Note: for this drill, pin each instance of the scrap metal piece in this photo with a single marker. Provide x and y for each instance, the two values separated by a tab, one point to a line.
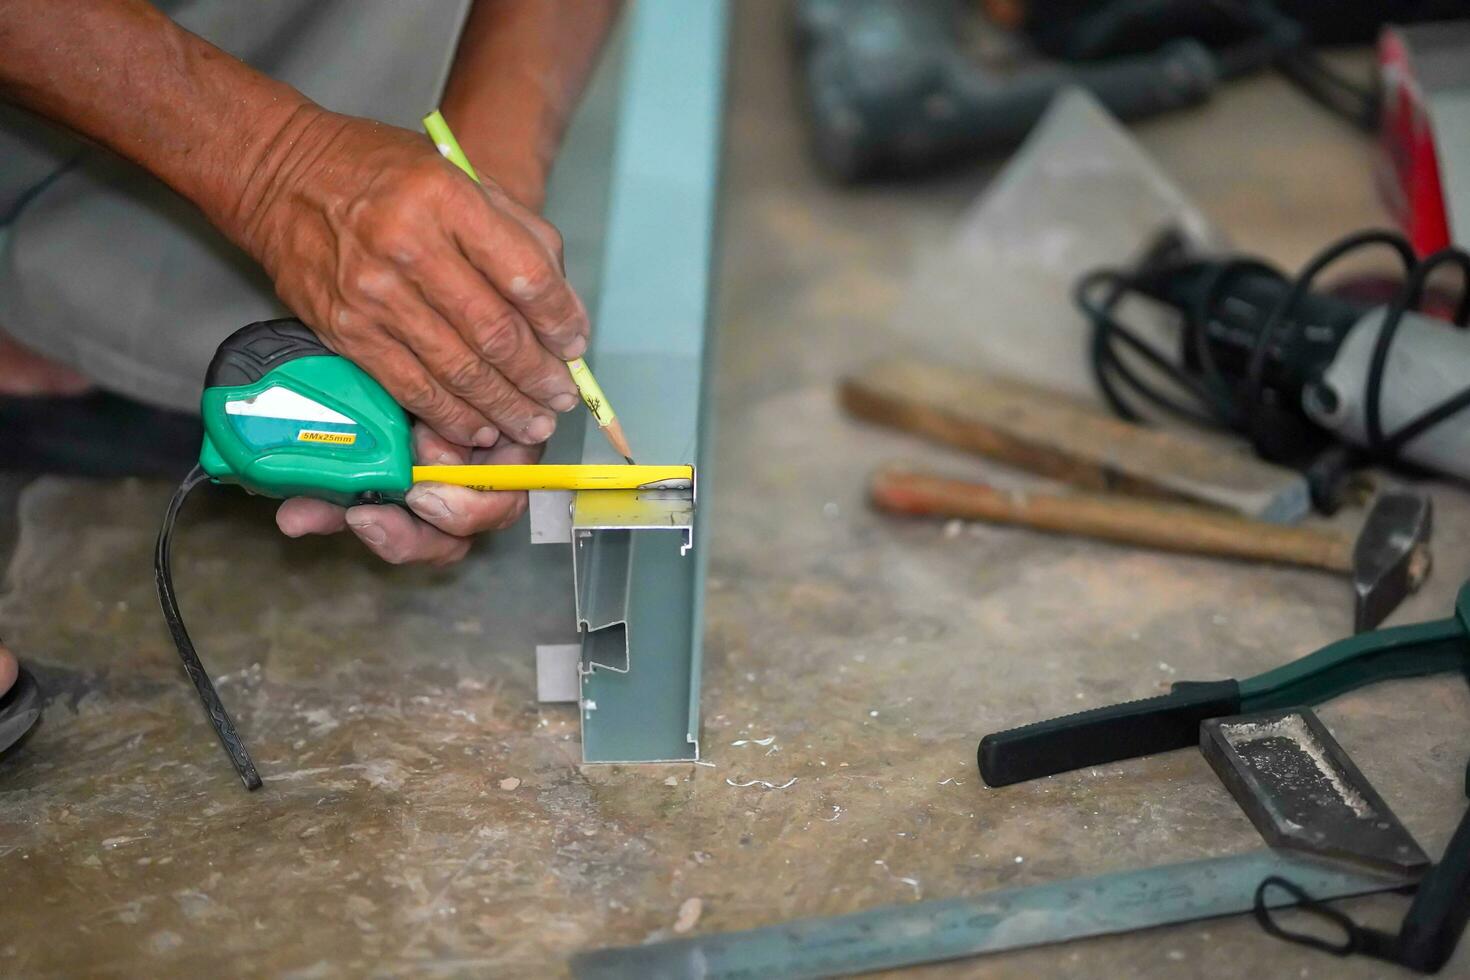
1282	766
1006	919
1301	790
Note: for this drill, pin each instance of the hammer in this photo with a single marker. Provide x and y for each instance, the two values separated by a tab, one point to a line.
1387	559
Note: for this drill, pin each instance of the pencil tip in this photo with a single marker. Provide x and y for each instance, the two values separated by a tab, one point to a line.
630	460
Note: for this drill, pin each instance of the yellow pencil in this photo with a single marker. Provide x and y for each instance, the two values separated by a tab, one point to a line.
592	396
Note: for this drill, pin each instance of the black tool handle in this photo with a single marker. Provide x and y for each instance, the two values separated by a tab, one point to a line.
1102	735
1440	910
256	349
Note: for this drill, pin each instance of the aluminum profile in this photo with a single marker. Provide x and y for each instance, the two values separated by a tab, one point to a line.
639	559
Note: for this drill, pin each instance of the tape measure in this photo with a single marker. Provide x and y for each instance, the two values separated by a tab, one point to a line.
285	416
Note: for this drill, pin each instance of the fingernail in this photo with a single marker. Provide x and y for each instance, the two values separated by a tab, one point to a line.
447	458
485	437
426	503
575	349
564	402
371	531
540	428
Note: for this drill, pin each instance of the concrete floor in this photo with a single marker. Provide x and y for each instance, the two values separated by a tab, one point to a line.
424	816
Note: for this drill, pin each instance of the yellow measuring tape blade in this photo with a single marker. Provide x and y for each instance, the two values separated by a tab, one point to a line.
540	476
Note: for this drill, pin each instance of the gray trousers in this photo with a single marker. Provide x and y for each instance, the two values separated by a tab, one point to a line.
105	269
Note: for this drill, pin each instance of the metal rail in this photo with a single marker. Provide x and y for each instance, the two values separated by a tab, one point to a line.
639	566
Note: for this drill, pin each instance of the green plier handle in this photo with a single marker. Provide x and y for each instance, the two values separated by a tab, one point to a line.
1171	721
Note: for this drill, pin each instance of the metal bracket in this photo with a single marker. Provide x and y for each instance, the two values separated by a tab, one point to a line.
551	516
558	672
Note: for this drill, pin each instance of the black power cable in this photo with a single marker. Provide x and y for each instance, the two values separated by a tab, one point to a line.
1211	398
1358	104
1246	36
1280	41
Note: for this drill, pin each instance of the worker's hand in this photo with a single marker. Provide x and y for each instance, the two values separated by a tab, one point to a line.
447	516
450	294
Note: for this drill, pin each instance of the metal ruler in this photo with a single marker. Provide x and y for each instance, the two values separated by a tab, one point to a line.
1010	918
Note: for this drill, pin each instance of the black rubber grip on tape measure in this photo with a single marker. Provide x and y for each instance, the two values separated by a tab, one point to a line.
250	352
1102	735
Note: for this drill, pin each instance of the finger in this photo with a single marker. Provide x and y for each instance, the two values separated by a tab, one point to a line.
508	453
461	511
397	537
525	272
463	372
405	377
495	329
432	449
300	516
539	226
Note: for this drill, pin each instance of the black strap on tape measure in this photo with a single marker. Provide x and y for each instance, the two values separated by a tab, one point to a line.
214	708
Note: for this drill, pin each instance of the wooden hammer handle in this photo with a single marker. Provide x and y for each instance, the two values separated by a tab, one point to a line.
1155	524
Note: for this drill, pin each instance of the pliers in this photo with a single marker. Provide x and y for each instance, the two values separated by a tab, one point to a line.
1432	927
1171	721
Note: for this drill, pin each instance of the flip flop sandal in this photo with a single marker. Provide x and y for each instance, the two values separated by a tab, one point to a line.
20	708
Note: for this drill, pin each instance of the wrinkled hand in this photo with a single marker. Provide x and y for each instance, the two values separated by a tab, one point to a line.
450	294
447	516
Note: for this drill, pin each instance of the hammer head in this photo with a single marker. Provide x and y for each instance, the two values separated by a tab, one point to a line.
1391	555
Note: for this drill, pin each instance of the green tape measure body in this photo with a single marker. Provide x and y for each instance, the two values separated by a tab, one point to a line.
286	417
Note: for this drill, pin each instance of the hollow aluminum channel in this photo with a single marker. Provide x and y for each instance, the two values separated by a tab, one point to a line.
640	584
